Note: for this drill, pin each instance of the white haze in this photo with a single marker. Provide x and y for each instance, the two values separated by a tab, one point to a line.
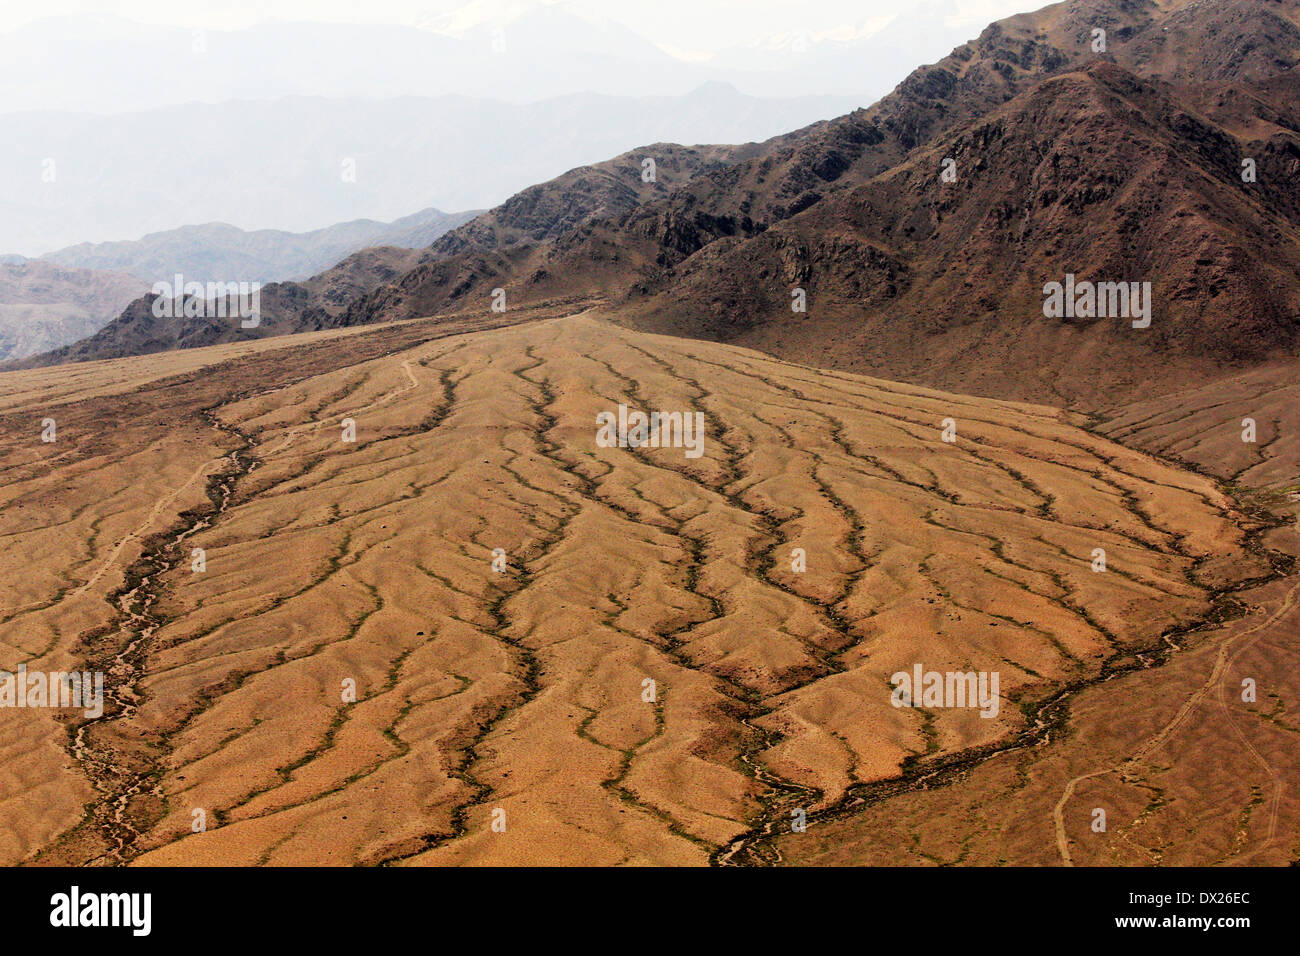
209	111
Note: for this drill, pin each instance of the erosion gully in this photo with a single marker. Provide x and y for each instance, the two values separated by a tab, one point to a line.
121	778
1045	717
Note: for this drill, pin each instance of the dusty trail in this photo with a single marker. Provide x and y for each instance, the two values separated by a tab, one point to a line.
148	523
1223	661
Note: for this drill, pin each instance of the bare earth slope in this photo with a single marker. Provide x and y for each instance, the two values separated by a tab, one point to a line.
519	695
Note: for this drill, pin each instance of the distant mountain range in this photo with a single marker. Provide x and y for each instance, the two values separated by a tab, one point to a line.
68	295
303	163
540	214
44	306
1123	166
220	252
1128	165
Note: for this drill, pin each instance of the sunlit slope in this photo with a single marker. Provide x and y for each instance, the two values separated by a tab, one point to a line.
522	697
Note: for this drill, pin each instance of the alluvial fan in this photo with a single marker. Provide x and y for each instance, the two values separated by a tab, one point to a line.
568	593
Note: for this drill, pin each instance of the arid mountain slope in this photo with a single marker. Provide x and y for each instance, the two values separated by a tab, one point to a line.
776	180
1186	771
618	648
1244	429
1094	174
1122	164
1117	165
463	258
580	234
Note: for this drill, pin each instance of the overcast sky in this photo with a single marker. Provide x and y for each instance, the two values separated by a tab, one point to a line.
684	27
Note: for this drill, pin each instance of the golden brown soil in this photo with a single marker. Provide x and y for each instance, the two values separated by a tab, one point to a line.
1187	771
519	695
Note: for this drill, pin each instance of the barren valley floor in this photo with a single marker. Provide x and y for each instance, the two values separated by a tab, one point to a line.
566	653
